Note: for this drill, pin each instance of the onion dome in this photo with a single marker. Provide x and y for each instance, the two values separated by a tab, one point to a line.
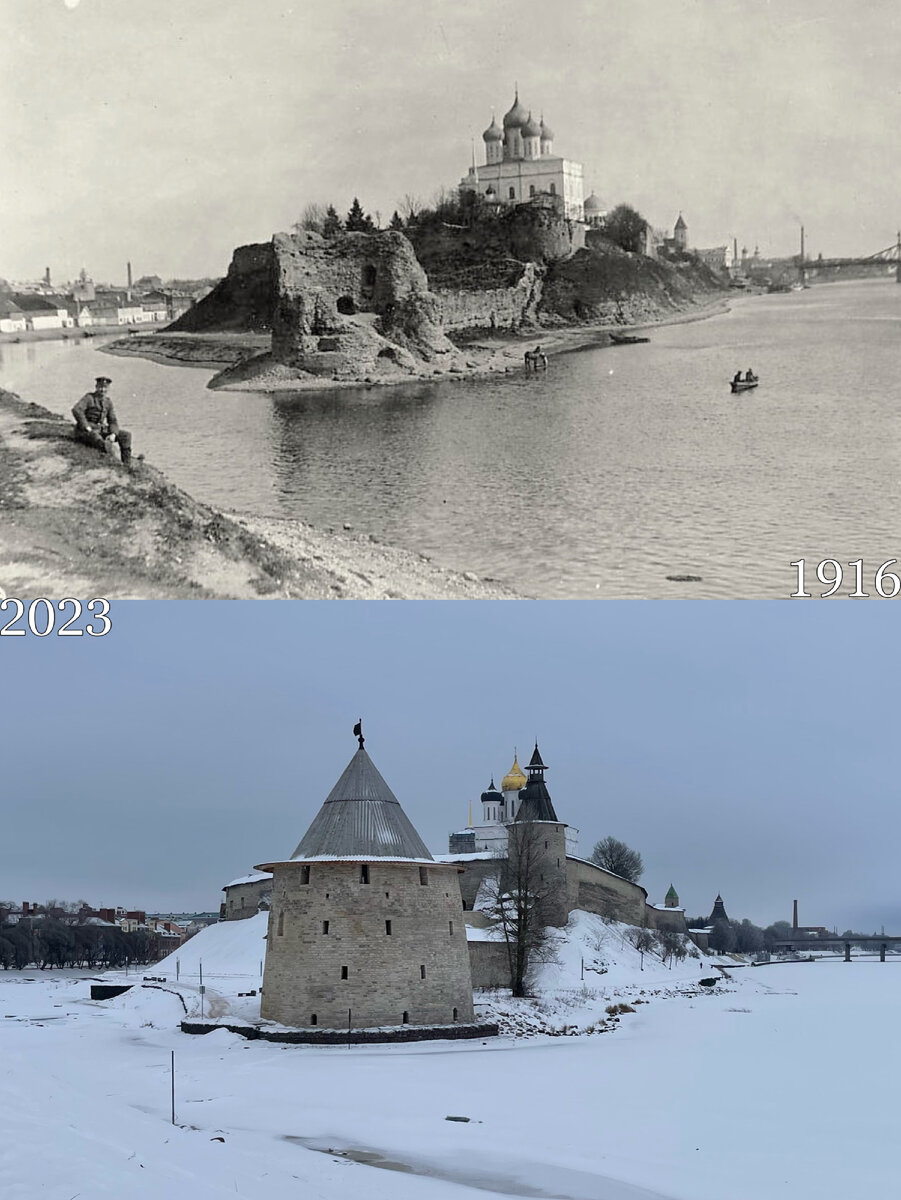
531	128
493	133
514	779
547	134
516	116
492	795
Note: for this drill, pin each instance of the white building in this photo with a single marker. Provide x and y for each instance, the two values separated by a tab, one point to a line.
499	808
520	165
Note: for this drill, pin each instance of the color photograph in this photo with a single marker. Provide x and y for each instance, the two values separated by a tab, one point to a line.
452	901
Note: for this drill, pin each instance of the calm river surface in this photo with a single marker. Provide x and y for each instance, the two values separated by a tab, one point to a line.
621	466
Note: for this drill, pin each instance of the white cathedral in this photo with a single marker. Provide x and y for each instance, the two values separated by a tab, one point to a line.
520	164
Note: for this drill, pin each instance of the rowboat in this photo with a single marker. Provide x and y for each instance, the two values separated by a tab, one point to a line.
626	339
744	385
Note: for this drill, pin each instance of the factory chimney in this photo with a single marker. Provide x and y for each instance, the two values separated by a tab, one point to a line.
795	916
129	280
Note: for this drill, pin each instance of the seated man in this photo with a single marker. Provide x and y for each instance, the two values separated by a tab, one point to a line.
96	424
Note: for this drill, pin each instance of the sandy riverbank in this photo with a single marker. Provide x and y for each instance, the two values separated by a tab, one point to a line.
74	522
244	364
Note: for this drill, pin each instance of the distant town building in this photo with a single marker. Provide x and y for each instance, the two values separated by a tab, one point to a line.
718	258
520	165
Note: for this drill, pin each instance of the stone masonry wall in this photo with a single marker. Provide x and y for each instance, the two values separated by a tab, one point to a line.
303	972
598	891
243	900
490	964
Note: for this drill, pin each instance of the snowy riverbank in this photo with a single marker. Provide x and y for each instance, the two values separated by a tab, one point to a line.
778	1085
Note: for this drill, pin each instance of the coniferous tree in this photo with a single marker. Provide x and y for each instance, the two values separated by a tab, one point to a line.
332	223
356	218
396	222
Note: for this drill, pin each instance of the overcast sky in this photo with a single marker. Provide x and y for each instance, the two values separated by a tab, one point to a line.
168	133
745	748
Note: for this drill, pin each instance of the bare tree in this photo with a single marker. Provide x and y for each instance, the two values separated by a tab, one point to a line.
615	856
525	897
410	208
312	217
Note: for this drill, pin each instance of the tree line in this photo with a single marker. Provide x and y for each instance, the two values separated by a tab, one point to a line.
48	942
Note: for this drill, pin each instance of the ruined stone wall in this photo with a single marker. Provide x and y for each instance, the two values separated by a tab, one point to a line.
337	921
494	308
241	302
342	304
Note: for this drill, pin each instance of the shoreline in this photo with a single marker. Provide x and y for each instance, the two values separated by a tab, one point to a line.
75	522
484	356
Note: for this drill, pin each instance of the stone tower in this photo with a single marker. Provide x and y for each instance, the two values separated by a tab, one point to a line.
680	233
538	834
719	911
671	899
365	929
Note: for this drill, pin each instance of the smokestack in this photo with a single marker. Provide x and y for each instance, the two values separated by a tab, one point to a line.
802	244
47	276
795	916
129	280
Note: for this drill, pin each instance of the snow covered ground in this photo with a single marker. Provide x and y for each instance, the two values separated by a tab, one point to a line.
778	1082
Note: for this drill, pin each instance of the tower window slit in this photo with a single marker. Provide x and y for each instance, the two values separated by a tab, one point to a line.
304	874
424	876
281	924
325	926
344	972
422	972
450	927
314	1020
455	1014
388	928
364	872
406	1018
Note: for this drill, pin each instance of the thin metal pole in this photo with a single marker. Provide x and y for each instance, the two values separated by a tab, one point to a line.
173	1087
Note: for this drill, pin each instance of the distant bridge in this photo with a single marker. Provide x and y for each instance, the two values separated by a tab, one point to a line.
881	259
835	943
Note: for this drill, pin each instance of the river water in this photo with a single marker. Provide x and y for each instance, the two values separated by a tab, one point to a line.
619	467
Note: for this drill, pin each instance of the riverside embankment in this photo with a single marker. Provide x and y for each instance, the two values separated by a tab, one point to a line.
480	354
76	523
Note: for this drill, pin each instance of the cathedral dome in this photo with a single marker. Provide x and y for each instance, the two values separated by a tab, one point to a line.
531	128
547	134
593	204
493	133
516	116
492	795
514	780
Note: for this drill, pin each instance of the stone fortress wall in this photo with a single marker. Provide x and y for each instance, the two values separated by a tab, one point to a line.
330	960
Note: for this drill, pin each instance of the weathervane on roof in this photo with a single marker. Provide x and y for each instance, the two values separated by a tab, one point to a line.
358	731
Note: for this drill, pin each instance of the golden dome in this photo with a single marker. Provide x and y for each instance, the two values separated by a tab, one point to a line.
514	779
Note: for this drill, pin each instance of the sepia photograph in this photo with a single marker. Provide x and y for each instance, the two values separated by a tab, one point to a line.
372	300
385	903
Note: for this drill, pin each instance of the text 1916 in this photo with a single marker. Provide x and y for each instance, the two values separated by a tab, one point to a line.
39	618
830	571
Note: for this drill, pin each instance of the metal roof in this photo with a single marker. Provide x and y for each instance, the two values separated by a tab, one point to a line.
361	817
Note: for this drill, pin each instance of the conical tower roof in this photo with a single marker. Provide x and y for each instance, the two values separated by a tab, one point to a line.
361	818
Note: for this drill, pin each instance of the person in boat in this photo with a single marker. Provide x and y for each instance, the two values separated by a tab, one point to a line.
96	423
737	377
750	377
